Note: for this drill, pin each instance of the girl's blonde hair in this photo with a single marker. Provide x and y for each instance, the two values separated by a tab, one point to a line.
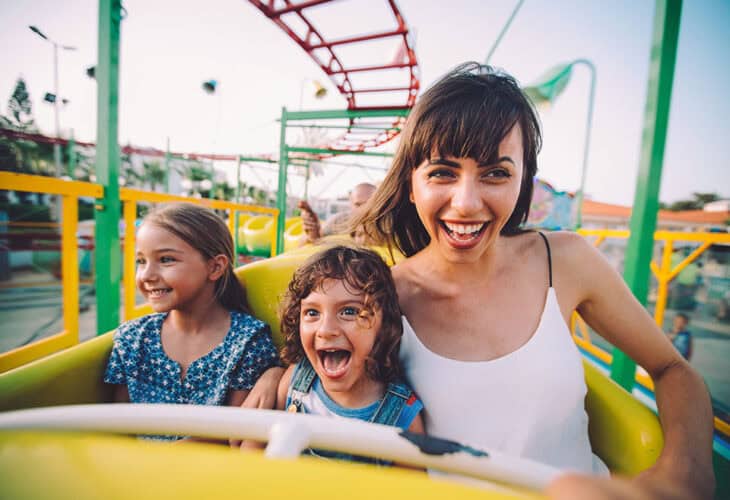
203	230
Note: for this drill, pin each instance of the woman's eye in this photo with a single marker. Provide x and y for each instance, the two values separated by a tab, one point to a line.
440	173
166	259
498	173
139	261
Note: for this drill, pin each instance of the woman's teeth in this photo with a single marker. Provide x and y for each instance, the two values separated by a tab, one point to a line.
158	292
464	229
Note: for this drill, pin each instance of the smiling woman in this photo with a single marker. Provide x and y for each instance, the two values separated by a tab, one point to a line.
486	304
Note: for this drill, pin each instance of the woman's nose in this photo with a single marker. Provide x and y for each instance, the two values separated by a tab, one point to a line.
466	199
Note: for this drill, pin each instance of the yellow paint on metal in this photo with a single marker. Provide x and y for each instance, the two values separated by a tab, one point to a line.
70	267
605	233
129	194
663	283
83	466
22	355
624	433
688	260
49	185
128	272
722	426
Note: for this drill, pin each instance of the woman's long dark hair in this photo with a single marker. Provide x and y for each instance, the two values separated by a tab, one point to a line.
466	114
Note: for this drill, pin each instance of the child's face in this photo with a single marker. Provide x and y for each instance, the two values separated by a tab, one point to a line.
337	338
171	274
679	323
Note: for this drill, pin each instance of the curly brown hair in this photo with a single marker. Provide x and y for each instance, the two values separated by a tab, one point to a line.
363	271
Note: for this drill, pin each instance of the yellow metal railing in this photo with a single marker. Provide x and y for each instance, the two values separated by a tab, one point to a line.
130	198
664	273
70	191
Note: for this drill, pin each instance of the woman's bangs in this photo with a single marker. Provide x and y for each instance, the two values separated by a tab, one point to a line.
462	132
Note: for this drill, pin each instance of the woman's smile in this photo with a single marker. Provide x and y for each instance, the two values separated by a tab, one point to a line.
464	235
464	203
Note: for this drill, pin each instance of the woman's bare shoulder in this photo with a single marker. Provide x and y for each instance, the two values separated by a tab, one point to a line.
572	250
404	276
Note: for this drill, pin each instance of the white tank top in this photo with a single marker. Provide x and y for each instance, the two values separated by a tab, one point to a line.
528	403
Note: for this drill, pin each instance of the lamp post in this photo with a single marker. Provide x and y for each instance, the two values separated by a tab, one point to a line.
550	86
56	145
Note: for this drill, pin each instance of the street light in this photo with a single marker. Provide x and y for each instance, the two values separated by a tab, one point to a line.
550	86
56	102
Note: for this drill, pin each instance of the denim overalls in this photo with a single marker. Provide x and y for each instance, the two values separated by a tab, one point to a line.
397	395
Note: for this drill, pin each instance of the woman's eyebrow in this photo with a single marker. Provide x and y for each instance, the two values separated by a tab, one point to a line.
443	161
498	161
449	163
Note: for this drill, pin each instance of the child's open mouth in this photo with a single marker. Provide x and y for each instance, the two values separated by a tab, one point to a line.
334	361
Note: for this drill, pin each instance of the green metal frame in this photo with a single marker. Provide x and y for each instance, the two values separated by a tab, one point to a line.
285	149
646	199
108	253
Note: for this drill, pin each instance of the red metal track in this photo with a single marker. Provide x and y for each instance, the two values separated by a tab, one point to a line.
339	72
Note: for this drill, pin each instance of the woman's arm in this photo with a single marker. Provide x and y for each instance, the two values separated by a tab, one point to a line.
121	393
263	393
605	302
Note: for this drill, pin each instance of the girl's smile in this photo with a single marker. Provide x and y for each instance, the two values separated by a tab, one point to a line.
337	334
171	274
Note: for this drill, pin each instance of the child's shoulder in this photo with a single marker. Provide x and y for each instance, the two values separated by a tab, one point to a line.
138	327
244	322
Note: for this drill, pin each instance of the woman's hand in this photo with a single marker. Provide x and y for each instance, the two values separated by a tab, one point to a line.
647	486
263	394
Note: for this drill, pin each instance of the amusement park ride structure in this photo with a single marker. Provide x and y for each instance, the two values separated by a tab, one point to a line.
365	126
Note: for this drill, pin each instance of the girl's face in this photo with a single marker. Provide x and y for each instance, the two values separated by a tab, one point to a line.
464	205
171	274
337	339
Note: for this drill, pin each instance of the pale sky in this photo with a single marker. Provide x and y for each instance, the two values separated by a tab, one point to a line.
169	47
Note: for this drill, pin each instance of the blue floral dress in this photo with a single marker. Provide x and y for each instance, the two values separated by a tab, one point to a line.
139	362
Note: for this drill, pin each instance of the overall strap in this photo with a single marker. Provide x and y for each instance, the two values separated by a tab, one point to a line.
396	396
549	256
301	383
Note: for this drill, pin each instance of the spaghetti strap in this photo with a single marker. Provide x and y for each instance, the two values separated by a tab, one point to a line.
549	256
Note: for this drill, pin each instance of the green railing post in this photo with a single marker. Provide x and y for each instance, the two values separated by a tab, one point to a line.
71	152
281	189
108	253
646	200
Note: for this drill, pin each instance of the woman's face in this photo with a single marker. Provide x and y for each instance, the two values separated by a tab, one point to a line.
464	205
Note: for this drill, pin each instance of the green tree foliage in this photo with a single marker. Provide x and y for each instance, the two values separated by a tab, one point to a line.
19	155
698	201
21	108
154	174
